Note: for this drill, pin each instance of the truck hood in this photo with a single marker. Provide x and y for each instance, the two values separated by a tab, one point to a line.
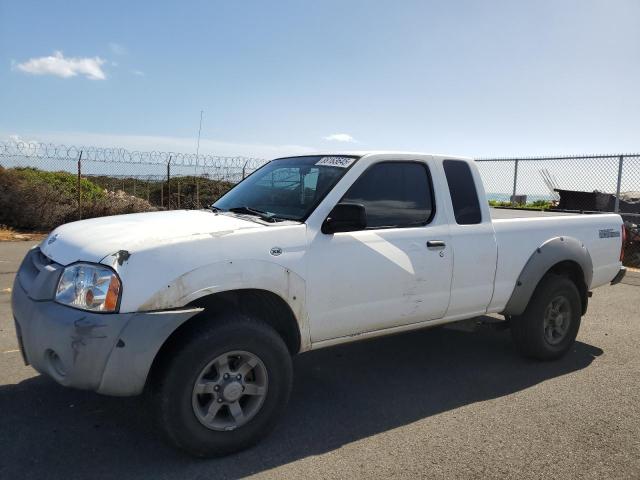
94	239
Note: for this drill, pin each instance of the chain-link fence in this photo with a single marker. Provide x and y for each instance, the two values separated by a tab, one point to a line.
582	184
166	180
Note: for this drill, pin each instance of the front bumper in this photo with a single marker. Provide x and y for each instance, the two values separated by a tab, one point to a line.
71	346
110	353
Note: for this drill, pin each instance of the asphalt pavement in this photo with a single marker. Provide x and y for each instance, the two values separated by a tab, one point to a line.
438	403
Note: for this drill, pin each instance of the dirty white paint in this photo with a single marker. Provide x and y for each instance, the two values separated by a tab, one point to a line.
94	239
342	286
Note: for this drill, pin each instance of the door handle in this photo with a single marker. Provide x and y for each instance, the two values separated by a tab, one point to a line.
436	244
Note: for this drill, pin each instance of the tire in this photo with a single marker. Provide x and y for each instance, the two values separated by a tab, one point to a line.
539	332
181	410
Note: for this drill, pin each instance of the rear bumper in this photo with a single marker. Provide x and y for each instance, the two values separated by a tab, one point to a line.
107	353
619	276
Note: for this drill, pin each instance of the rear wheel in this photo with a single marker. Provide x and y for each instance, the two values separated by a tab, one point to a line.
548	327
224	388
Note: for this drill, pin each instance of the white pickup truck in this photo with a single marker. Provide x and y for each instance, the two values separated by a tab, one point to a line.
205	309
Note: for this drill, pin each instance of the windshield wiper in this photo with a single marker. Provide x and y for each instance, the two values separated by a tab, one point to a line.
266	216
213	208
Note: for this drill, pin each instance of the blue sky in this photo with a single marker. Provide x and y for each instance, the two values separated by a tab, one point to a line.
478	78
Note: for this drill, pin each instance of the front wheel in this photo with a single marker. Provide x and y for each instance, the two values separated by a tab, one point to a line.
549	325
224	388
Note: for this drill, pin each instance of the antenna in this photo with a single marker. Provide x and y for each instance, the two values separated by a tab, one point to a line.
198	144
199	131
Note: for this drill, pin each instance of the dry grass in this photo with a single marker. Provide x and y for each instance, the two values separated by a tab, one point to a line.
11	235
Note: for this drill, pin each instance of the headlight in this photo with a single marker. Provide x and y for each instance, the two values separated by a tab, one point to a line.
89	287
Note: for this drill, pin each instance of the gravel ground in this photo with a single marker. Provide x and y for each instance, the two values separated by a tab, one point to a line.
440	404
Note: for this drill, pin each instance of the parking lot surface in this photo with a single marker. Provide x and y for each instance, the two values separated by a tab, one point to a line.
438	403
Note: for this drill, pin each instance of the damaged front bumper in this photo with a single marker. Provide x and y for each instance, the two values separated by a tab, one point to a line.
110	353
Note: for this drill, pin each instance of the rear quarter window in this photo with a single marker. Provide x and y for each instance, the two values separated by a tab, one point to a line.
464	196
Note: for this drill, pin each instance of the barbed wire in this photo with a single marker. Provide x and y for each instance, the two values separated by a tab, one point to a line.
120	155
587	156
12	148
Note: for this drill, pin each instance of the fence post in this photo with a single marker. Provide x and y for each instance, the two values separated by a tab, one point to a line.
515	181
244	168
169	183
616	208
178	193
79	186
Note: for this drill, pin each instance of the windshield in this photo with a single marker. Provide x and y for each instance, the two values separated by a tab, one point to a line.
286	188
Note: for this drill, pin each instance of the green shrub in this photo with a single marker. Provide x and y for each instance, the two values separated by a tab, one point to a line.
180	191
541	204
538	204
499	203
63	182
31	199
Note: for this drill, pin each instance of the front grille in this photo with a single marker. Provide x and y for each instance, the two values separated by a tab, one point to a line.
40	260
38	275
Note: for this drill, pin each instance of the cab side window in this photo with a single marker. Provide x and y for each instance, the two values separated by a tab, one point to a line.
462	189
394	194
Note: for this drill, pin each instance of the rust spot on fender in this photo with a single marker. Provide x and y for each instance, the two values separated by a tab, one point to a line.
121	256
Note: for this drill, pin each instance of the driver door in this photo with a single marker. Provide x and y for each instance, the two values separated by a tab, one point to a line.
396	271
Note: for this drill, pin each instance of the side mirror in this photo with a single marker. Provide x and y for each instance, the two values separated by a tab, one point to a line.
345	217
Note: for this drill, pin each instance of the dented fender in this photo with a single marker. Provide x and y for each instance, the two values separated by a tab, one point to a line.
235	275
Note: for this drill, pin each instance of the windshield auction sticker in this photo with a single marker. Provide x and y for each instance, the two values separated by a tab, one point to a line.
342	162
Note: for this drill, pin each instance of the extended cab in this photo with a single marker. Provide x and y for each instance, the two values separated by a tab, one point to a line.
204	309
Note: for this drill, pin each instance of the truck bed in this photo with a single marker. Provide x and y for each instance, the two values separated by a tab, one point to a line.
519	232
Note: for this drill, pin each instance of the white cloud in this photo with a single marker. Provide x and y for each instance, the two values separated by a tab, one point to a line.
138	73
340	137
60	66
117	49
